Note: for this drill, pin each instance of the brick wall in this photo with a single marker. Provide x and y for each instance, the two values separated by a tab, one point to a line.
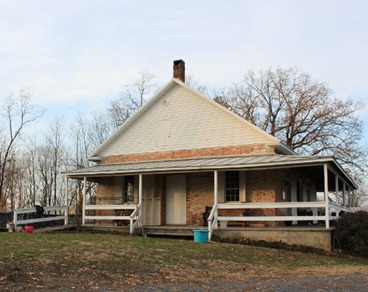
261	186
264	186
105	189
199	195
190	153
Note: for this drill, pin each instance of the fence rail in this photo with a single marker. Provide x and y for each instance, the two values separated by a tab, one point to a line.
18	222
132	218
328	212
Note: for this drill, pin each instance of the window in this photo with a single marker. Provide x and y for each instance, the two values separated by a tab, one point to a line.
128	190
162	133
232	186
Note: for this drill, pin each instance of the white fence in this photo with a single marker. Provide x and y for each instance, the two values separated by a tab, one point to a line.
22	221
132	218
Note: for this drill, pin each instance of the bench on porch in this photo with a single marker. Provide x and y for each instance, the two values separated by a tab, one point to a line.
236	212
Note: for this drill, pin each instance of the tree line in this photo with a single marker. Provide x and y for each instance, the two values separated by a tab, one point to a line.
287	103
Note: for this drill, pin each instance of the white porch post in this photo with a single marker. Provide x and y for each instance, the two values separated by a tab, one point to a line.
215	181
66	201
84	201
327	215
337	189
294	199
353	198
344	194
140	183
215	186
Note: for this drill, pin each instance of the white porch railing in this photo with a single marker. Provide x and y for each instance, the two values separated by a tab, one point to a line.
214	218
132	218
18	222
333	208
212	221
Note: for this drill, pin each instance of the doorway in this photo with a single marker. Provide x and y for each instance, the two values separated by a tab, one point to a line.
151	201
176	199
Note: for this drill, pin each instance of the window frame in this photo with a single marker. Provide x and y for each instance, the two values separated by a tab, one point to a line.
232	186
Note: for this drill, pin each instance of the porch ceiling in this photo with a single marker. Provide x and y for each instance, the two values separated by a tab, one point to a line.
208	164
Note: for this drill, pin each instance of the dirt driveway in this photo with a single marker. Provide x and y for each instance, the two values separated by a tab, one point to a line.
345	282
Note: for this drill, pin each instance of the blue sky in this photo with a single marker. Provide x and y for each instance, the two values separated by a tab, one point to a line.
77	55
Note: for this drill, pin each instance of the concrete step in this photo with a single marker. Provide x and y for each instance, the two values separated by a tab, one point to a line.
170	231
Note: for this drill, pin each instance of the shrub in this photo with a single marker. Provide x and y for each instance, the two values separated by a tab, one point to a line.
351	233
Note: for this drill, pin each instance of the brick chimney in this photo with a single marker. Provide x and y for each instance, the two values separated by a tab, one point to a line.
179	70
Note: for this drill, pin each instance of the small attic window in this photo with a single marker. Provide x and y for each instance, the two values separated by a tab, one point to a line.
162	133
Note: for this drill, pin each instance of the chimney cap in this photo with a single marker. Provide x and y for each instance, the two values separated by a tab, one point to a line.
179	62
179	70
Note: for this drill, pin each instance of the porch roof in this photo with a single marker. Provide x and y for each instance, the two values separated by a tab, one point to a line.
208	163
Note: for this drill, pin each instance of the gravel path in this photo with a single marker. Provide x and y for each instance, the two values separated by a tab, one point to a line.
344	282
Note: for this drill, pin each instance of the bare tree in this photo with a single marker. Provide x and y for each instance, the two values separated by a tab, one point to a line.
132	98
301	112
54	141
195	83
30	168
17	111
87	134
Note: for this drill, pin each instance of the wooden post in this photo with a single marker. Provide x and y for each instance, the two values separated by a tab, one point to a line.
344	194
15	218
84	201
325	174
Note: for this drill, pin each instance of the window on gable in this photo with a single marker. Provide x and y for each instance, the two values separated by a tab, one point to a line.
162	133
232	186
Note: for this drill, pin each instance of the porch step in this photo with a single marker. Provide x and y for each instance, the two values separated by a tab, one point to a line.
169	231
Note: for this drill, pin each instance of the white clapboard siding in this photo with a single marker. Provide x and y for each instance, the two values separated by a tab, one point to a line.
181	119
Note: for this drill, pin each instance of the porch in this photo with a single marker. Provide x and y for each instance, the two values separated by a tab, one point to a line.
301	229
274	193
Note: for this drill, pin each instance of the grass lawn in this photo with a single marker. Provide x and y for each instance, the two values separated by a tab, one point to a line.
109	262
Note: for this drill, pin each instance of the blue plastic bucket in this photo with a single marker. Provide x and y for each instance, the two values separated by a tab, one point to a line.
200	236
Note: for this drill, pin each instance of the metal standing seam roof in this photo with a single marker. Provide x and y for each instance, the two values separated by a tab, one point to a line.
210	163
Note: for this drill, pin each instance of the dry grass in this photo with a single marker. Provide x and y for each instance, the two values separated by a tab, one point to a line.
110	262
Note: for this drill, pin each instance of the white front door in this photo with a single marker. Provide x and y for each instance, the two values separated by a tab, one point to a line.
176	199
151	201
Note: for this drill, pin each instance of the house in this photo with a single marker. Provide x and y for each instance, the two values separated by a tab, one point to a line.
184	161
